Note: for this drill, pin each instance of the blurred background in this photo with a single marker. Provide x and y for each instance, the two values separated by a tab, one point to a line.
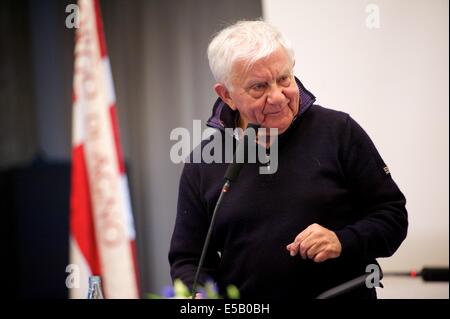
392	77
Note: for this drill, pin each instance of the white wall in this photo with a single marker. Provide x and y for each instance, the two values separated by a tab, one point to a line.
394	81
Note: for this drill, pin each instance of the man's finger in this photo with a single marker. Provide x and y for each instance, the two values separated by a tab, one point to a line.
294	246
321	257
314	250
306	244
305	233
291	249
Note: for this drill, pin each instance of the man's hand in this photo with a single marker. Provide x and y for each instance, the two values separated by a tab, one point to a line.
317	243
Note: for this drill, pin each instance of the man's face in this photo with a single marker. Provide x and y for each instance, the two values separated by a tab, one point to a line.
265	94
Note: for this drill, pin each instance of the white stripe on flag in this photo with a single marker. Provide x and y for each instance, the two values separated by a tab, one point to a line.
81	272
78	128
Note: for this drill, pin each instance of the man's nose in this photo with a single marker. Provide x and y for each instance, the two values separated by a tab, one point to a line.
276	95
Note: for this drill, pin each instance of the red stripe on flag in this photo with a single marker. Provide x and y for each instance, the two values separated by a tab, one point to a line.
115	127
100	33
135	264
81	219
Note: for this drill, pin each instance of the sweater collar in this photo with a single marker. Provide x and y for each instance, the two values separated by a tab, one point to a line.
224	117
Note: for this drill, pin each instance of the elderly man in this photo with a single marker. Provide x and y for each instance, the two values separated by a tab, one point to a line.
327	213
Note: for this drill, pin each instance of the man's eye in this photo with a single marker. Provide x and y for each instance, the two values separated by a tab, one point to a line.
285	80
259	87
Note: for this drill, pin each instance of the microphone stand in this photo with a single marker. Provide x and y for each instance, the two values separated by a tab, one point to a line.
343	288
225	188
230	175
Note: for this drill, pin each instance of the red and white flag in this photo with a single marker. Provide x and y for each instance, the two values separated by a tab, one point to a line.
102	236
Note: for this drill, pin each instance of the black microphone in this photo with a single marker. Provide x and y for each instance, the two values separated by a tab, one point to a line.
231	175
434	274
241	154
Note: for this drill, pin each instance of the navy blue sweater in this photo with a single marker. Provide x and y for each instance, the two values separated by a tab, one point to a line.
329	173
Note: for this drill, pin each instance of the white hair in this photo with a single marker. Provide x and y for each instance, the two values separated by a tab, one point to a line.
246	41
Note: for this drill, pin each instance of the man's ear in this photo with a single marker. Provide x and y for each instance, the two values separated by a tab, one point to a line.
224	94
